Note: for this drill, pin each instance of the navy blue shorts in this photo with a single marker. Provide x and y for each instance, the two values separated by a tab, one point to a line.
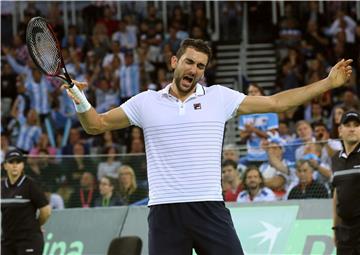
205	226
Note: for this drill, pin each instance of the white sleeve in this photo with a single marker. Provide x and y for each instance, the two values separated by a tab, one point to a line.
133	109
231	100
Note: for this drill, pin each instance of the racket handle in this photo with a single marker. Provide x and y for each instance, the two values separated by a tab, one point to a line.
84	104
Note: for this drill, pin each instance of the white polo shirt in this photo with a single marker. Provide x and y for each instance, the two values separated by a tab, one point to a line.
183	141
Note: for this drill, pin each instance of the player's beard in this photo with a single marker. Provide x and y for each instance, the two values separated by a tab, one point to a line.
182	89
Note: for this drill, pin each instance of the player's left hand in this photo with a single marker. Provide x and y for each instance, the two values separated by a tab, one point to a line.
340	73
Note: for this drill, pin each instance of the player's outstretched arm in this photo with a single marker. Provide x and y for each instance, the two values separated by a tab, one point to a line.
338	76
93	122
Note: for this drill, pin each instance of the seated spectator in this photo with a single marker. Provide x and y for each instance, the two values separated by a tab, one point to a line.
78	164
328	146
254	128
107	196
335	119
307	187
322	170
277	171
295	149
254	187
231	176
43	144
231	152
110	166
285	133
41	168
128	189
84	196
55	200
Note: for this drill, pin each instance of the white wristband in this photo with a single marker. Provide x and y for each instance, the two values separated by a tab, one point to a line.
84	104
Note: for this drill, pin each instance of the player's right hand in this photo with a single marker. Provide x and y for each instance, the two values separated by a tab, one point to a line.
80	85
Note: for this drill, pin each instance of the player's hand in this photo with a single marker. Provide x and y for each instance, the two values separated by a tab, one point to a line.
80	85
340	73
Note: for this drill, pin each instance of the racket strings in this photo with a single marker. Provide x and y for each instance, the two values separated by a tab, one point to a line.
44	47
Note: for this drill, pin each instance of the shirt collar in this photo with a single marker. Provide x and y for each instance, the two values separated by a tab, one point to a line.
18	182
343	154
199	91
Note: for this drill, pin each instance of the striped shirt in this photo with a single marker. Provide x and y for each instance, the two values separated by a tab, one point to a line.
183	141
39	95
129	80
28	137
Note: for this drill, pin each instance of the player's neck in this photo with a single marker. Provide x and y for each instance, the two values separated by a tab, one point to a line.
178	94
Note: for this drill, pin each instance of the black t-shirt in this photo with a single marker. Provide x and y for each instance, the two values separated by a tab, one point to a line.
313	190
19	203
346	180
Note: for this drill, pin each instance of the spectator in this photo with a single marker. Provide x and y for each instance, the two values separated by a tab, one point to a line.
107	20
8	93
307	187
110	166
314	113
255	128
74	137
42	169
314	39
350	100
129	77
172	40
78	164
277	171
285	133
322	169
107	196
305	135
30	132
115	51
55	200
43	144
231	152
73	40
84	196
231	176
335	119
343	23
21	104
231	19
329	146
254	187
128	189
106	140
125	35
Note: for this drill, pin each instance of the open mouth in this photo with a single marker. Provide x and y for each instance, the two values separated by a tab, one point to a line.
188	79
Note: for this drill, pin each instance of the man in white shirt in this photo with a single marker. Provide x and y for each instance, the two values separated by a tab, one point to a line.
183	128
254	187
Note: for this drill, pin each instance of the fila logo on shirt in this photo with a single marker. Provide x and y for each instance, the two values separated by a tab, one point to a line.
197	106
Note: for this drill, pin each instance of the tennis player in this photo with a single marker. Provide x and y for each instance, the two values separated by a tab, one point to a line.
183	127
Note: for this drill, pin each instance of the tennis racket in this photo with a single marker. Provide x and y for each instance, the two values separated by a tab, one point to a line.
45	51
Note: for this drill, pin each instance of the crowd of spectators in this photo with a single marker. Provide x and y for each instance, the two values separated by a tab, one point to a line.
288	155
120	58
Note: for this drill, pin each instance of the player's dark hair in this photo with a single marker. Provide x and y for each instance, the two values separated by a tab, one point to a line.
197	44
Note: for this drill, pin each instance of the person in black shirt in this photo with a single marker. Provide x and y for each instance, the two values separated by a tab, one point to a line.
346	183
307	187
21	197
